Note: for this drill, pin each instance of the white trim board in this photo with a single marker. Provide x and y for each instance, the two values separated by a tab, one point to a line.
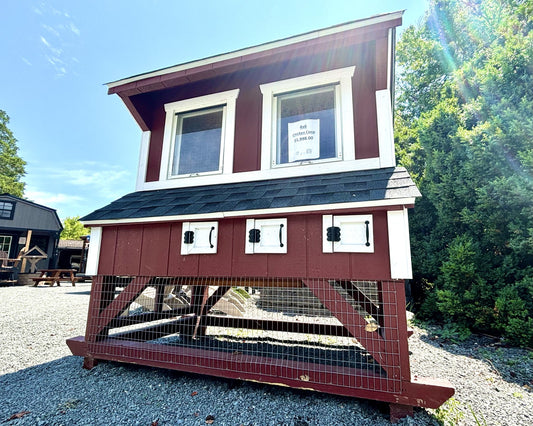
259	212
93	258
399	244
256	175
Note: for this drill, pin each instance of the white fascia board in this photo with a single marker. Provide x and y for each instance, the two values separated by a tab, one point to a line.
258	212
261	48
276	173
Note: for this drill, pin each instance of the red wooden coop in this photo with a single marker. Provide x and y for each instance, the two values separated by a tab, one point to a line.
268	236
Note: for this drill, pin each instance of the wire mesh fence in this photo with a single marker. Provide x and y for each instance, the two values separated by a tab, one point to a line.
329	332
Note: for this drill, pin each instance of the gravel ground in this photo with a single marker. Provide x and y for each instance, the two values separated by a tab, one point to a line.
38	375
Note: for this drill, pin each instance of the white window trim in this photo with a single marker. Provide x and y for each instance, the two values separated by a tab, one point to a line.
341	76
228	99
93	258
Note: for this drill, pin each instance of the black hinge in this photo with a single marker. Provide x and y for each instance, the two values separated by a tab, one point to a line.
334	233
188	237
254	235
367	233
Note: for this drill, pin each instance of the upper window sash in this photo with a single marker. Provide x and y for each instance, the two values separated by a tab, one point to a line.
343	114
227	100
7	210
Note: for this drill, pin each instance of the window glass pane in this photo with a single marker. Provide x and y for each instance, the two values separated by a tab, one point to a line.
198	141
306	125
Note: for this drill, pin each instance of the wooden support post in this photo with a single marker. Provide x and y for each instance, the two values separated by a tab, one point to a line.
26	248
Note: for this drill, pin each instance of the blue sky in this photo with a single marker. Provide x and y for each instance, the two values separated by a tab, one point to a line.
81	145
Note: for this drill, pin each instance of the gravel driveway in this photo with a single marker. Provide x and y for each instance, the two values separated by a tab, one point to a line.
38	375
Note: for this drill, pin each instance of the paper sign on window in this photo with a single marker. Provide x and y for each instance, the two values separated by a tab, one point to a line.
304	140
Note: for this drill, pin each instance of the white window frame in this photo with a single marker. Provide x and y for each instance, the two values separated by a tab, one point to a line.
340	247
252	248
226	99
343	110
192	248
6	238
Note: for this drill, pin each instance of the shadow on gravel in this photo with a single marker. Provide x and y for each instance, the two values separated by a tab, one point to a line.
512	364
61	392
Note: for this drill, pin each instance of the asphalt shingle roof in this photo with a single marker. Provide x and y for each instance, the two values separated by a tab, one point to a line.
346	187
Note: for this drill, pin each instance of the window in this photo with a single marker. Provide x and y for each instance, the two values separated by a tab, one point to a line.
308	119
198	137
7	209
5	245
199	238
198	141
266	236
349	234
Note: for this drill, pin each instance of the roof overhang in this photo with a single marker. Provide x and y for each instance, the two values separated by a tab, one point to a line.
268	52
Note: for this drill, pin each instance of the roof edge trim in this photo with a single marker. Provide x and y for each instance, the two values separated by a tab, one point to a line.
259	212
377	19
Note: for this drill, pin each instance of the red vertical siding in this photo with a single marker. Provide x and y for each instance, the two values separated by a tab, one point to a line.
155	249
128	250
364	92
293	263
107	250
247	151
178	264
320	265
382	59
246	264
156	146
374	265
219	264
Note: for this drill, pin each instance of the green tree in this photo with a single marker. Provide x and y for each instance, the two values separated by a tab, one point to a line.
73	229
464	129
11	165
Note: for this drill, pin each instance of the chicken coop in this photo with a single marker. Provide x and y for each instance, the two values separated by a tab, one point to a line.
267	238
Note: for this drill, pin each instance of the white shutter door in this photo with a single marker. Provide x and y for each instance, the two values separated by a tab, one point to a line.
356	234
199	238
266	236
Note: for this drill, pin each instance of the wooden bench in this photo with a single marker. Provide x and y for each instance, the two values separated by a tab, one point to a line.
54	276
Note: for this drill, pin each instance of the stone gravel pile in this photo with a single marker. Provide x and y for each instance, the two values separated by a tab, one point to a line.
41	383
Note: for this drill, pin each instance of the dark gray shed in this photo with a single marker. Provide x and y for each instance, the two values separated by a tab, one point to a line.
17	217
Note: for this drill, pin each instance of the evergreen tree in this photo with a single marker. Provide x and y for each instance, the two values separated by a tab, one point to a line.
464	128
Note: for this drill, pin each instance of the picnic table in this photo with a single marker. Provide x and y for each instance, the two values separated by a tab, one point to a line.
52	276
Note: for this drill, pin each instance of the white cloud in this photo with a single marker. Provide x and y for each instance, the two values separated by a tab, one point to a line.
74	28
50	199
26	61
45	42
